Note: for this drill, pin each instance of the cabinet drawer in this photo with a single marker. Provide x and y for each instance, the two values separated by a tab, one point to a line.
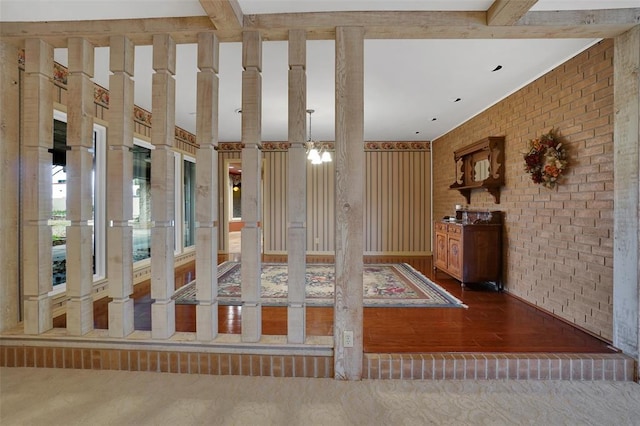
441	227
454	229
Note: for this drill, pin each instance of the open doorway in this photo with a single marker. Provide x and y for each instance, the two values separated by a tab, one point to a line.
234	197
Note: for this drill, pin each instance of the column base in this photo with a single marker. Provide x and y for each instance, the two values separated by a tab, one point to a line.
37	314
121	317
206	321
163	319
79	315
296	321
251	322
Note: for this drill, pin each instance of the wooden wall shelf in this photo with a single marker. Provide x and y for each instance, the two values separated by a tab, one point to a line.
480	166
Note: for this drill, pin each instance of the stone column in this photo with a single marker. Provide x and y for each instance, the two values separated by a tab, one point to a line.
297	187
251	192
163	319
349	183
9	186
79	188
36	177
626	231
207	188
119	189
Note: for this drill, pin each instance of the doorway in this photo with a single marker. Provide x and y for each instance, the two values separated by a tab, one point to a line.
233	197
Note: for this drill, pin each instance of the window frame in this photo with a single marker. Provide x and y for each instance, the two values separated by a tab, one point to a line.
99	202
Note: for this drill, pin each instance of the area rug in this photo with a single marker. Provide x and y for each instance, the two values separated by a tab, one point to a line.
385	285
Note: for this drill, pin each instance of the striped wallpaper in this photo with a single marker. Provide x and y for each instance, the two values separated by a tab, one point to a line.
396	198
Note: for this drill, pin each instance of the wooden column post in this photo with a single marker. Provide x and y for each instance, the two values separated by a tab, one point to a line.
297	187
207	184
349	202
79	188
36	199
9	186
163	319
251	192
119	186
626	231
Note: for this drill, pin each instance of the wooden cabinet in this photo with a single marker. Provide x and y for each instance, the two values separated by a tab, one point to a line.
469	252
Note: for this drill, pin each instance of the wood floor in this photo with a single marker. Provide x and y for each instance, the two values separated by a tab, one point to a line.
493	322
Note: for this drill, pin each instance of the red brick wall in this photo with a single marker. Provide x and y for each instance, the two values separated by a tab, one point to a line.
558	250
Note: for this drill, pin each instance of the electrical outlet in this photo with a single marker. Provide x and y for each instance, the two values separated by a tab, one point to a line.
347	338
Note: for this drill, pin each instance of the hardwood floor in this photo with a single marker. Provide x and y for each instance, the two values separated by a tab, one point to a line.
493	322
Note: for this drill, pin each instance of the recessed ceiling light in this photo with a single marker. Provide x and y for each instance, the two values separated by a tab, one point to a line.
418	132
238	110
457	99
498	68
433	119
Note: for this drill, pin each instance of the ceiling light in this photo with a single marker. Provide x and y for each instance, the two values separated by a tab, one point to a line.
498	68
316	156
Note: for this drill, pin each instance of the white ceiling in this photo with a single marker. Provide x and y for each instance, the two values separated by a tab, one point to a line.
408	83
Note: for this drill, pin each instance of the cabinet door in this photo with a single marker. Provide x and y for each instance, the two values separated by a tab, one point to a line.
441	251
454	261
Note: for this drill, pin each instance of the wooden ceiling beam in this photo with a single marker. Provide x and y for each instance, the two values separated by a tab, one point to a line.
224	14
448	25
321	26
140	31
508	12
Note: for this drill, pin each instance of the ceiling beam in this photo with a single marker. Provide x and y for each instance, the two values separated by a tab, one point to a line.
140	31
321	26
508	12
448	25
225	14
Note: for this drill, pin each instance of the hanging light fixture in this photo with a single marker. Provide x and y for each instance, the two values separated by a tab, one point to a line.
313	154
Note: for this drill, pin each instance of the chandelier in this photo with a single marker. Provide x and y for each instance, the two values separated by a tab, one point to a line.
316	152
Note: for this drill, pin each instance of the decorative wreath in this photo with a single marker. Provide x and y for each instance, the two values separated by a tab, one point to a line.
546	159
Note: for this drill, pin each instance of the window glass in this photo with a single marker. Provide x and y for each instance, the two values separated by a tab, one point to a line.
189	192
58	220
141	203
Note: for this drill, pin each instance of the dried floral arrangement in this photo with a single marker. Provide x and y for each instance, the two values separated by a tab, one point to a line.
546	159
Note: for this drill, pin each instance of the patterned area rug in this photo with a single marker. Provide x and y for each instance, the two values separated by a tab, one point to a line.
390	285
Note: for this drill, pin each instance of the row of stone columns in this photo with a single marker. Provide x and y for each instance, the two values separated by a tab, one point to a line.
37	197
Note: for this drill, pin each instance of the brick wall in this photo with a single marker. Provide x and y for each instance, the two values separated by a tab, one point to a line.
558	250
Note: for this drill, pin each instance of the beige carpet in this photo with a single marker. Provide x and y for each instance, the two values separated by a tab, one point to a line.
79	397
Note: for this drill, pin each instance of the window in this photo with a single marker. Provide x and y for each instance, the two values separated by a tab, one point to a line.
189	193
58	220
141	222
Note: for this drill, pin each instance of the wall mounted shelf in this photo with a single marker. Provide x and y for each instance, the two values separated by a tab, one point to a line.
480	165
